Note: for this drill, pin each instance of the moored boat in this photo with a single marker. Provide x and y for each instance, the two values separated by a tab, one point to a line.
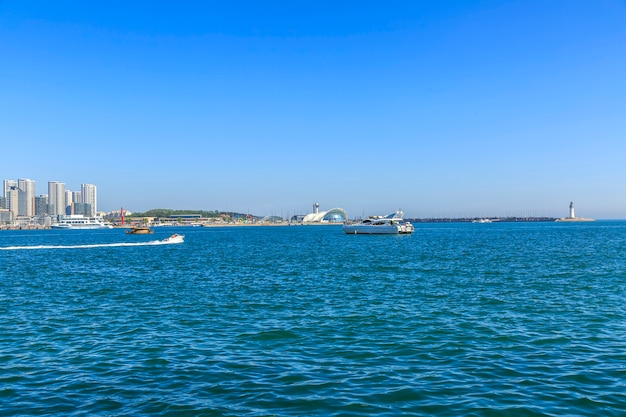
482	220
80	222
392	224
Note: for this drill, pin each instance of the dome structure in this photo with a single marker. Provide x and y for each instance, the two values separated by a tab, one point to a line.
334	215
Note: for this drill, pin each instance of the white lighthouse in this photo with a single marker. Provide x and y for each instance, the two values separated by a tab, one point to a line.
572	217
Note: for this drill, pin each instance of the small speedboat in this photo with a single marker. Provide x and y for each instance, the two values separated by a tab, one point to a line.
175	238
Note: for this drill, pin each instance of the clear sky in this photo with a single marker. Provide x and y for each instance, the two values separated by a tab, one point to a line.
441	108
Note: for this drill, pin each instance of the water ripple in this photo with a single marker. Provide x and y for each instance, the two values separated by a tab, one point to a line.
515	320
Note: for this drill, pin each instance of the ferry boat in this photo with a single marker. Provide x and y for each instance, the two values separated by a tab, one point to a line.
392	224
80	222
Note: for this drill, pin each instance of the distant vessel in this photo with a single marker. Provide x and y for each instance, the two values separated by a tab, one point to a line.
392	224
140	230
572	217
481	221
80	222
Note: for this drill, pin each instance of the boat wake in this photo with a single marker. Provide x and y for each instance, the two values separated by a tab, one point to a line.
99	245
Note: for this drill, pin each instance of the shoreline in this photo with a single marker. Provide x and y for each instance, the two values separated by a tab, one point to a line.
286	224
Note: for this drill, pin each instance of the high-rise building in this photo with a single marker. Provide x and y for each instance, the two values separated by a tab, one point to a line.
26	197
11	193
69	201
18	197
90	197
56	198
72	200
6	185
41	205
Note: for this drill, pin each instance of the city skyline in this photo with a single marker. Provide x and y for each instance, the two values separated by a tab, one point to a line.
441	109
88	197
20	199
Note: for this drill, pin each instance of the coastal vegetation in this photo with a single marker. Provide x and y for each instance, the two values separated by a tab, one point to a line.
160	212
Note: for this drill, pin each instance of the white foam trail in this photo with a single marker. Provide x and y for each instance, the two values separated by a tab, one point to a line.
99	245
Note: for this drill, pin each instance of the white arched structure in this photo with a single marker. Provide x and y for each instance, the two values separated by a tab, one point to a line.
335	215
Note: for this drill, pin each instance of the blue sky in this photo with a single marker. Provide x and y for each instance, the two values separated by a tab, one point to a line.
441	108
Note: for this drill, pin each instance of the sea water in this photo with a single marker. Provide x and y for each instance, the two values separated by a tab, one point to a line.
498	319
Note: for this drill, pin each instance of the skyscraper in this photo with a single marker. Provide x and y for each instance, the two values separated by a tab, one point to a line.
68	202
56	198
11	193
11	199
6	185
90	197
26	197
41	205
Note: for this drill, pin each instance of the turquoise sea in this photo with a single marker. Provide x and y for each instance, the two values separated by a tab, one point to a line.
499	319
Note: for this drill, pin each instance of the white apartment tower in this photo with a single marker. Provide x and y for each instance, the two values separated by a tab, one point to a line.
7	185
77	197
11	195
56	198
69	207
90	197
26	198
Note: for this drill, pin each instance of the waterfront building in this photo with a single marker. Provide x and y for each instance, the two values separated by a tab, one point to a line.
5	216
334	215
41	205
89	196
82	208
56	198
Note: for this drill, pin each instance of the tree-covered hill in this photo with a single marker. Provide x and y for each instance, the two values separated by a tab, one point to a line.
169	212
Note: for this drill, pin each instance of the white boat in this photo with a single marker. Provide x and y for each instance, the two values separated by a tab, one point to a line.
483	220
175	238
80	222
392	224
